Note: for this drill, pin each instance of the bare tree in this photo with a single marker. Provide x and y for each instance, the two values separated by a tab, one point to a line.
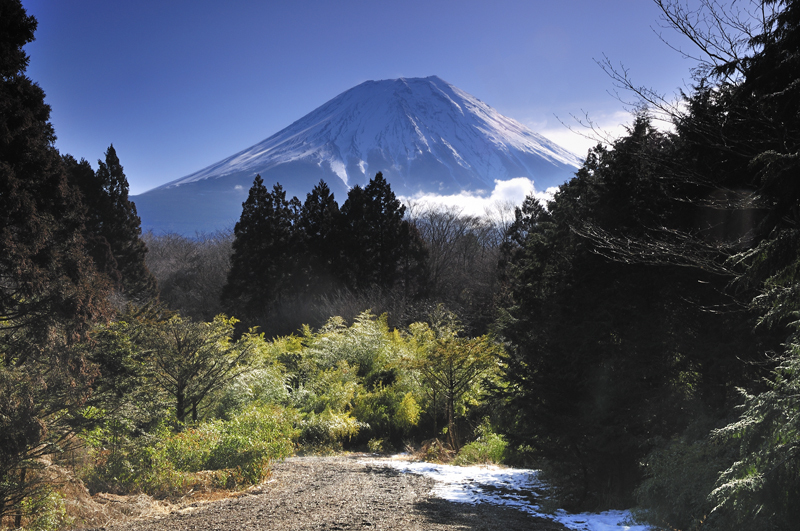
463	253
190	271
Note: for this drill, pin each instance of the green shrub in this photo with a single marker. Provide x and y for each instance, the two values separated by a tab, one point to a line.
265	385
329	430
249	442
406	416
376	446
488	448
45	512
167	464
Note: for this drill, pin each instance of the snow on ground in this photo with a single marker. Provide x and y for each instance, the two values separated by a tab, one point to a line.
513	487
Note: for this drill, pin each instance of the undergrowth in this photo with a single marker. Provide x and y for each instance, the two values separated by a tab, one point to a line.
488	448
213	454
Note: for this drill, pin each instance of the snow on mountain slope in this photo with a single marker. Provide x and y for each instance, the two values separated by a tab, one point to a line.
387	125
424	134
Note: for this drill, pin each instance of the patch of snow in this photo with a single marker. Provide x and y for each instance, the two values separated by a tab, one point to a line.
337	166
512	487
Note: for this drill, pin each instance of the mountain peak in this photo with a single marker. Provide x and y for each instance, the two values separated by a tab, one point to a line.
424	134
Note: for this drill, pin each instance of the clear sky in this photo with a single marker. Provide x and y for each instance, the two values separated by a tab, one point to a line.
177	85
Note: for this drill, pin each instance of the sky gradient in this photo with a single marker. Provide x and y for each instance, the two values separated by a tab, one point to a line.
177	85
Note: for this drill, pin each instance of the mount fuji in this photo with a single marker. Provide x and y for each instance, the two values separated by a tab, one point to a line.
424	134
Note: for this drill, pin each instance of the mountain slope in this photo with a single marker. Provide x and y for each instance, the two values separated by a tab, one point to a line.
424	134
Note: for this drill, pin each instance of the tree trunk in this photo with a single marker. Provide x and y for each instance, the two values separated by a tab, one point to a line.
180	406
18	517
451	423
435	425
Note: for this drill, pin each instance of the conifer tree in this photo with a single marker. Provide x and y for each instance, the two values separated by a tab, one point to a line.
604	346
50	292
378	244
265	256
113	227
318	225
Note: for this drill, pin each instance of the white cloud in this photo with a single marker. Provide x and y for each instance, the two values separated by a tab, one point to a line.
510	192
579	139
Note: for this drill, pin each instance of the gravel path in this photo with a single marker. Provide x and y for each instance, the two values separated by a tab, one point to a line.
341	493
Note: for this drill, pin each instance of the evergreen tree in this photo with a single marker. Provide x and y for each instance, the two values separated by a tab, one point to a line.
378	245
603	346
50	292
113	226
266	255
318	224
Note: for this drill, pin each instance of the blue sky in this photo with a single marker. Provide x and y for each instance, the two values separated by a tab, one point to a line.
177	85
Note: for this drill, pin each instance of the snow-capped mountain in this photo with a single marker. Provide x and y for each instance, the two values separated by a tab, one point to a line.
424	134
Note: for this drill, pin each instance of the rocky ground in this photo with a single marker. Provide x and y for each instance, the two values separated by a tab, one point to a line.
339	493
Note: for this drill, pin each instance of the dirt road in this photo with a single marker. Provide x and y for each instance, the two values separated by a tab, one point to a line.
341	493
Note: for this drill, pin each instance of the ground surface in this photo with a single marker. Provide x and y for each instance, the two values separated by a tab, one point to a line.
341	493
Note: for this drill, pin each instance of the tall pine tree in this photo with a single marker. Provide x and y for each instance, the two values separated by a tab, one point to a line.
379	248
318	225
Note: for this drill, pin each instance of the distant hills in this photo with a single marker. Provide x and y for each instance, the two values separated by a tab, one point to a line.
424	134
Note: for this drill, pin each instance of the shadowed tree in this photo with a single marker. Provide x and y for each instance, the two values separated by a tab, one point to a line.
113	224
318	224
378	245
50	291
266	255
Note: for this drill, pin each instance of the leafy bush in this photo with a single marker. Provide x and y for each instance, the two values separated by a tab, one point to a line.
407	413
168	464
264	385
488	448
377	446
46	512
329	429
367	345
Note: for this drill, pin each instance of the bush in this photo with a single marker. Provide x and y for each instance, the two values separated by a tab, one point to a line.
168	464
328	430
265	385
249	442
46	512
488	448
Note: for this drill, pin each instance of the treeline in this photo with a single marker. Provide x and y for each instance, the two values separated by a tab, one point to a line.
287	256
289	264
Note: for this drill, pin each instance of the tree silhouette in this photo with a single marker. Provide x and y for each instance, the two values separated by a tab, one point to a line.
50	291
113	225
266	254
